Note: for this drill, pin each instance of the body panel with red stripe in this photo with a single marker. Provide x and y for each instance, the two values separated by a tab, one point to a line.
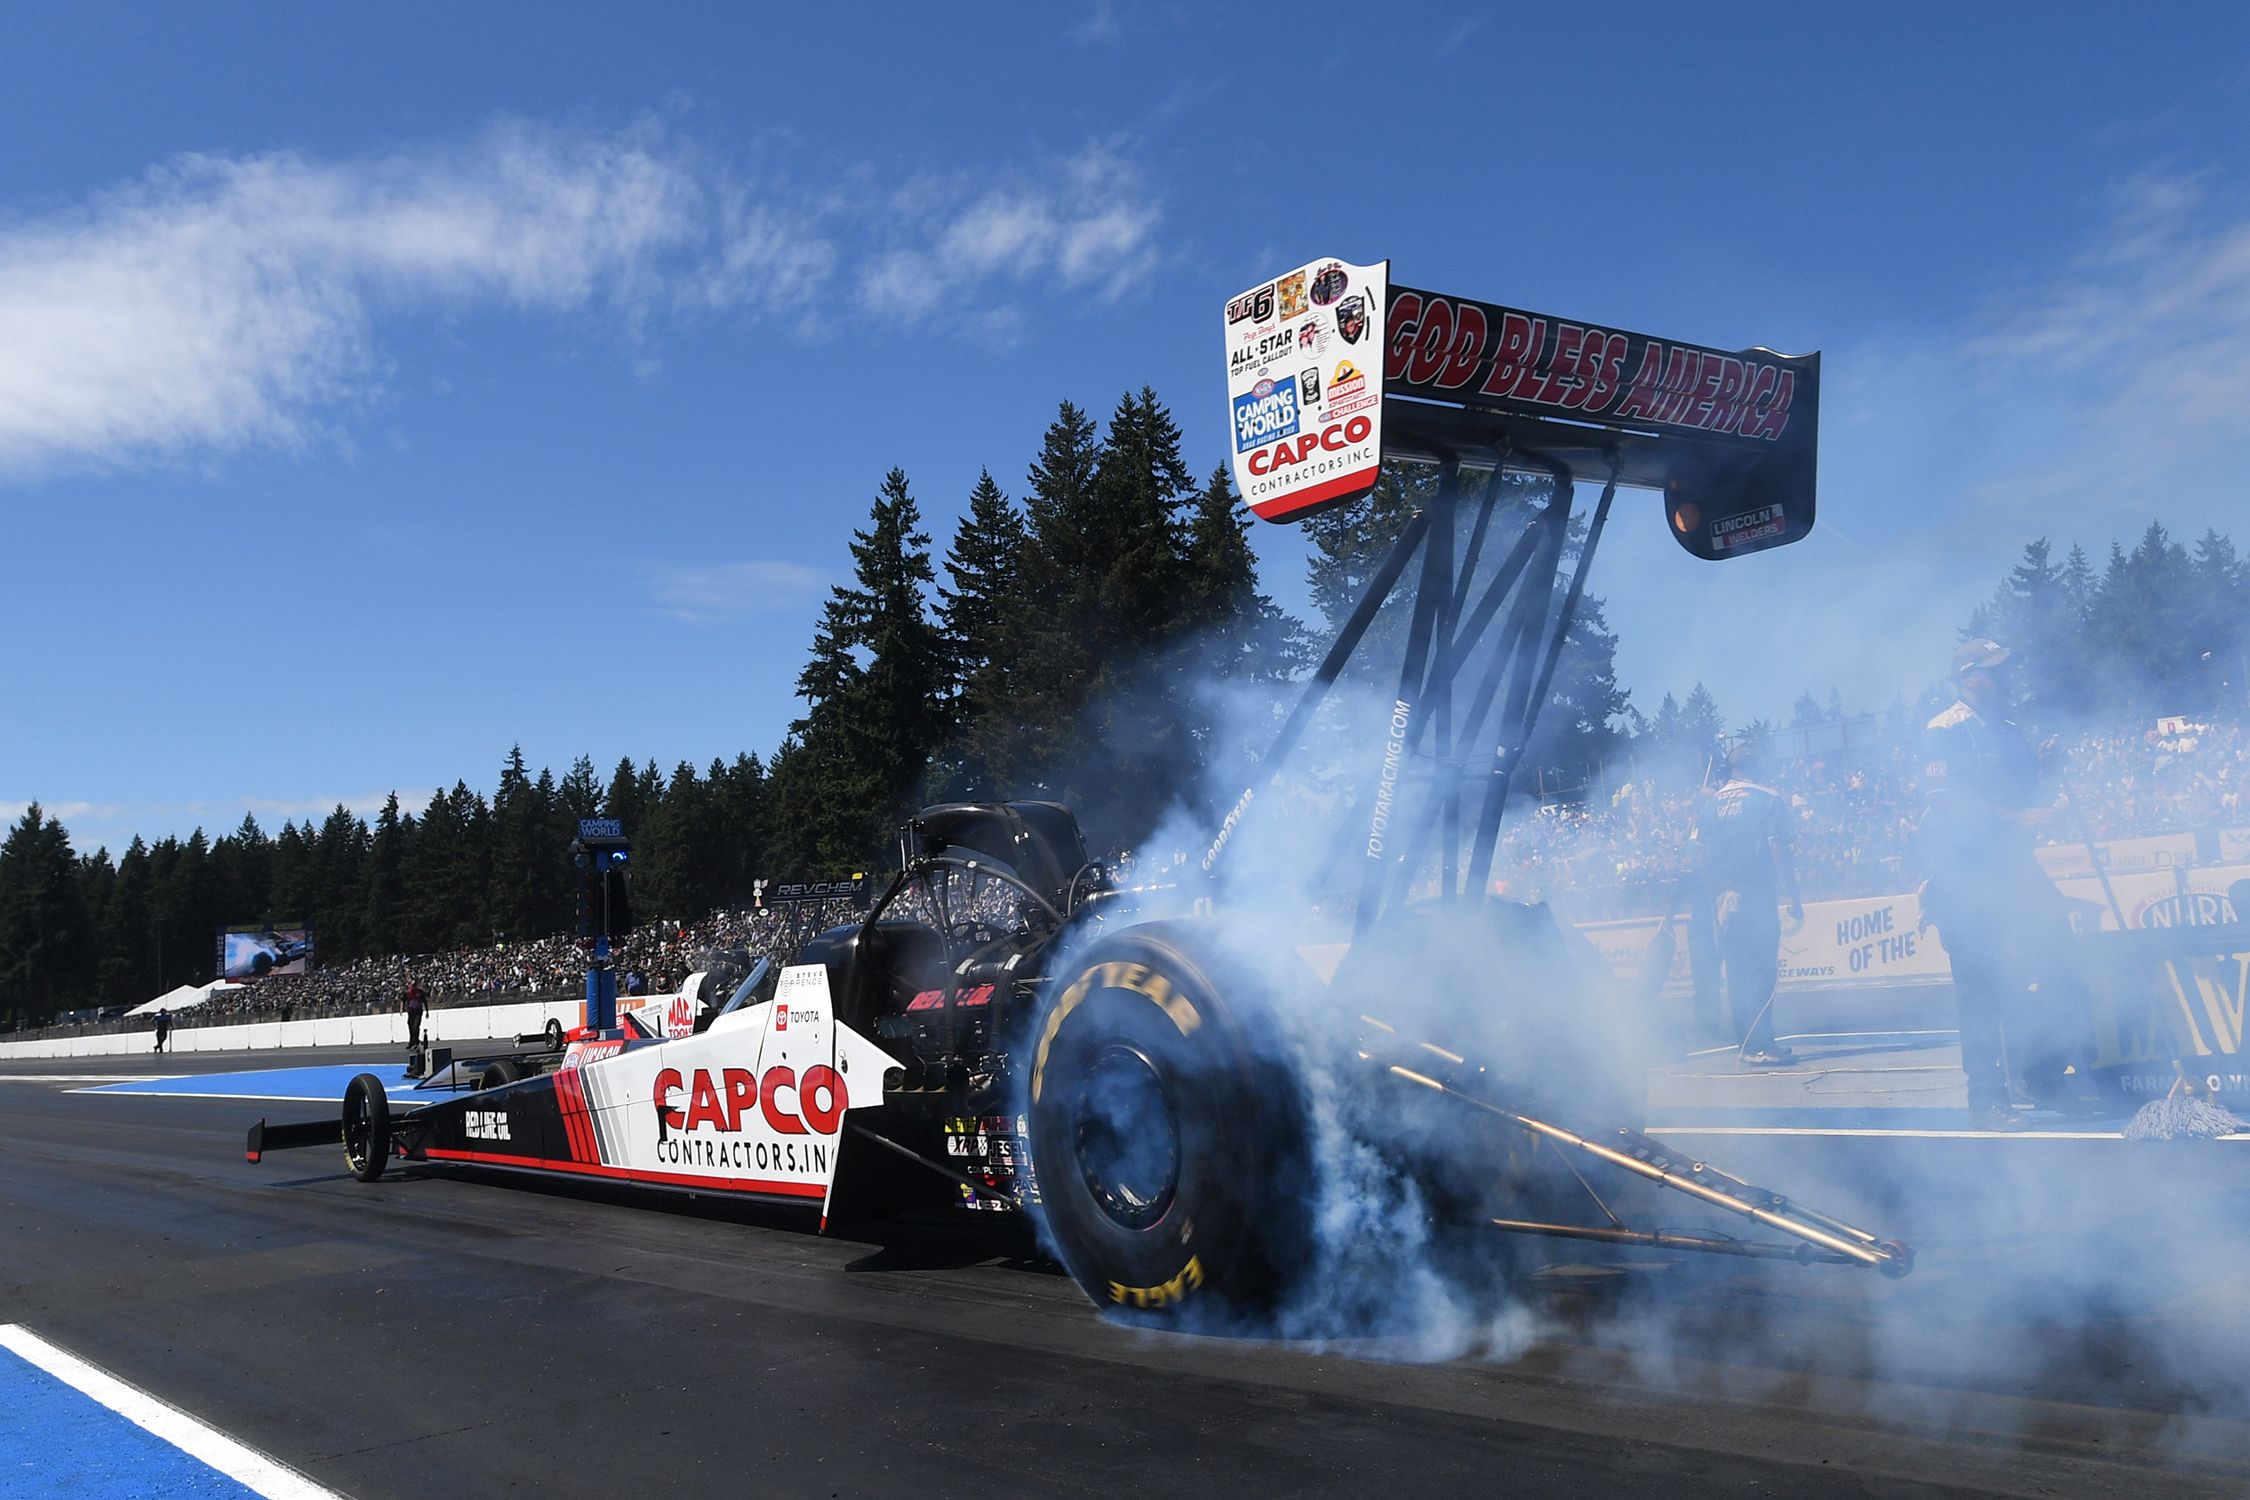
754	1105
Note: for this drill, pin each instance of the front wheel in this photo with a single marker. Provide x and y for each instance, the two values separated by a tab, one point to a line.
367	1127
1166	1138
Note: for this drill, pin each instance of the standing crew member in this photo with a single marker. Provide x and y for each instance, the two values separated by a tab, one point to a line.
1742	839
163	1026
2005	926
412	1003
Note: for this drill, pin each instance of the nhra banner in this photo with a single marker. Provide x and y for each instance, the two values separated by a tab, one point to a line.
2168	898
1871	940
1305	387
2119	856
1881	939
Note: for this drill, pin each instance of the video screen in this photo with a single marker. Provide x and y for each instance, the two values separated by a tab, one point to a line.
261	952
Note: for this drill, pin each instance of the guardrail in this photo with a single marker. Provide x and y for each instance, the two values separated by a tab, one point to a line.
468	1023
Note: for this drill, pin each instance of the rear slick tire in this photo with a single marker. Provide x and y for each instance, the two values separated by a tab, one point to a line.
367	1127
1166	1141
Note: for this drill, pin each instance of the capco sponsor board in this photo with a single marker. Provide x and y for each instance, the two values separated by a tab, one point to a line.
1304	440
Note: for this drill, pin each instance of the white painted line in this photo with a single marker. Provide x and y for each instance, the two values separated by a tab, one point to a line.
87	1078
1901	1134
246	1466
399	1101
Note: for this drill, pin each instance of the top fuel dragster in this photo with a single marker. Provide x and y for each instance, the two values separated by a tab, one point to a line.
1008	1029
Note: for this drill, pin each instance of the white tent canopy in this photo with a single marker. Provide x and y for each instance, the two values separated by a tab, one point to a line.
185	997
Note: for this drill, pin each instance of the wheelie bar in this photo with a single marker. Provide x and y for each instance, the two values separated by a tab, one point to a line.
1822	1237
1645	1158
264	1137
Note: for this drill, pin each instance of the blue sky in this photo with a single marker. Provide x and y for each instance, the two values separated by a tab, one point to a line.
383	387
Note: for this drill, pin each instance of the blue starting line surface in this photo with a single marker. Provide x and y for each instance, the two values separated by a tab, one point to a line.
324	1084
76	1432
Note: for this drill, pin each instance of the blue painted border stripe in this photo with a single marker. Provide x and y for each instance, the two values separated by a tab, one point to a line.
85	1433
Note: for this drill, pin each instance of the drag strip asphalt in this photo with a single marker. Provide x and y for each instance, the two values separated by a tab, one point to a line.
470	1333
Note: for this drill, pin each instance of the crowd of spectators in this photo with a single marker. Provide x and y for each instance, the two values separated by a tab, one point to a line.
653	959
1854	815
1617	852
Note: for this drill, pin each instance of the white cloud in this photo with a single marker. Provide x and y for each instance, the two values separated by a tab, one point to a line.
2125	376
223	302
113	825
220	303
1099	26
65	813
1089	221
718	591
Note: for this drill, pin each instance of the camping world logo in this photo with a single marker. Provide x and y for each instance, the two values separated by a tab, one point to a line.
1268	410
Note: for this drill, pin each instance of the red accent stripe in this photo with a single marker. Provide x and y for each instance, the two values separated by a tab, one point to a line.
633	1174
575	1123
1282	507
563	1112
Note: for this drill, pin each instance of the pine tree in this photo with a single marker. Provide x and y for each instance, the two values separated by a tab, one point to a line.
579	796
186	915
623	801
242	873
739	795
981	616
1058	628
875	696
42	925
127	962
1239	633
2144	619
1142	488
2220	623
339	874
1578	732
291	895
1350	543
526	855
384	900
678	877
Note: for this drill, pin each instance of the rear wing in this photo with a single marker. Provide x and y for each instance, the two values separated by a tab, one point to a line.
1731	438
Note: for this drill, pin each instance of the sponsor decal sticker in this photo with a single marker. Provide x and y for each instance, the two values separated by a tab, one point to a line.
1352	319
1750	526
1252	307
1264	350
1263	413
1291	290
1329	284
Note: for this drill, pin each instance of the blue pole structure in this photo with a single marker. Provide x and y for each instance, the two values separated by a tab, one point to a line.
600	852
601	989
